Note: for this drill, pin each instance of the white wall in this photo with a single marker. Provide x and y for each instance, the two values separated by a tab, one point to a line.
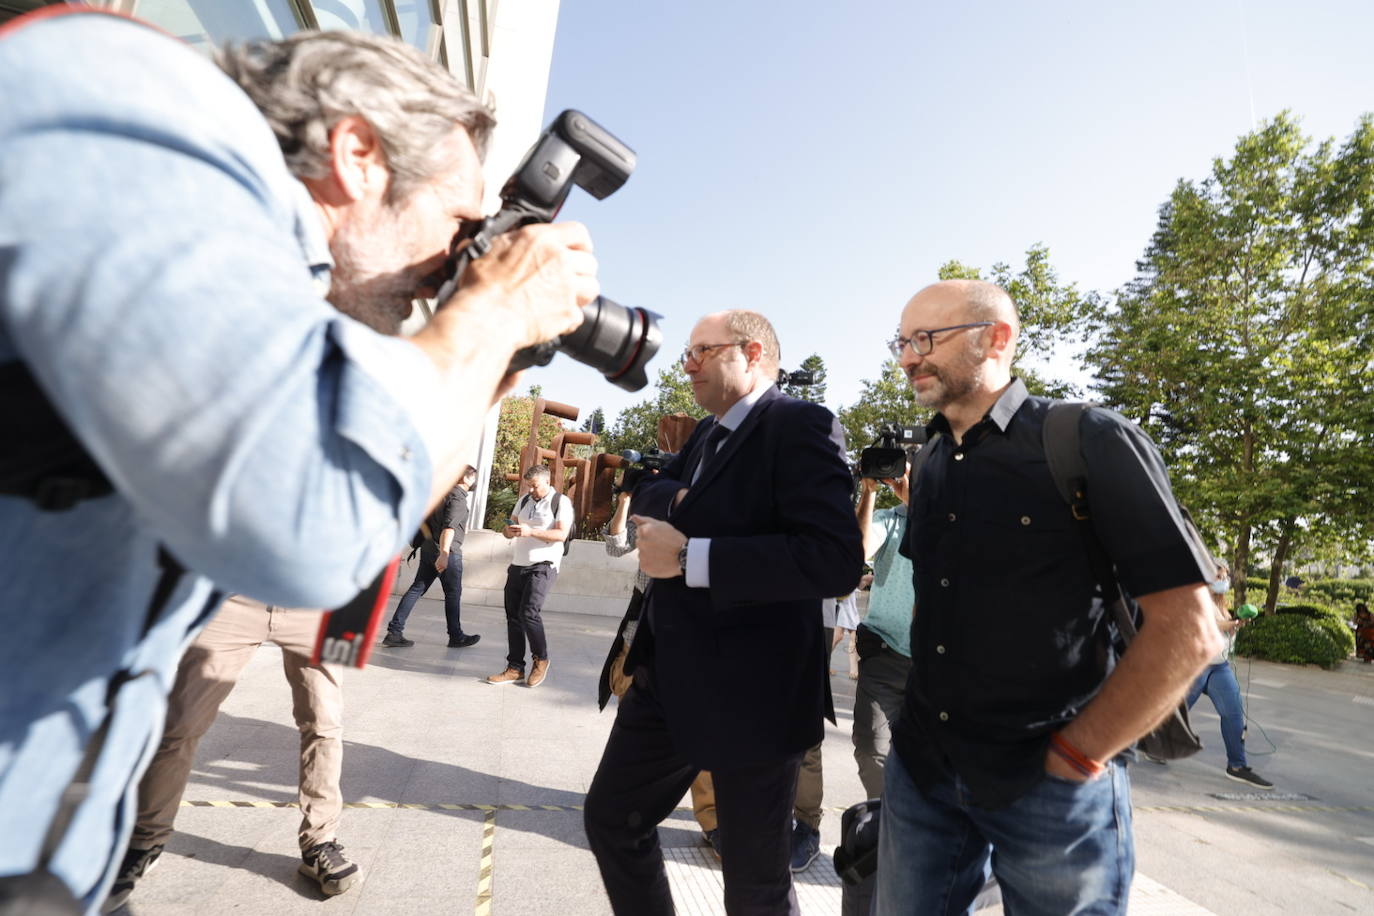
589	581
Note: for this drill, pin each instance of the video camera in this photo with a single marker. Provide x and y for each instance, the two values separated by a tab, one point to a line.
885	458
650	462
796	377
616	340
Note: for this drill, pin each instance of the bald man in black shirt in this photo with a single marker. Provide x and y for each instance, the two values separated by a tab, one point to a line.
1019	716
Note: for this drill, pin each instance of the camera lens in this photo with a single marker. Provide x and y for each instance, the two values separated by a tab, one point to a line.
616	340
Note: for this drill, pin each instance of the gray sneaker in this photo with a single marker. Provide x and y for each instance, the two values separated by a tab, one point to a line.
136	864
327	864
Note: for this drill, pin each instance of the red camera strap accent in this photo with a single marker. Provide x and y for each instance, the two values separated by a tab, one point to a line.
347	633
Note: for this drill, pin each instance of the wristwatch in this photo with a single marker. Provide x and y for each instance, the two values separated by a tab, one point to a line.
682	557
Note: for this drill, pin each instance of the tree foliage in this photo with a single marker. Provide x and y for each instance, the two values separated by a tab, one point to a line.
1243	345
595	422
636	426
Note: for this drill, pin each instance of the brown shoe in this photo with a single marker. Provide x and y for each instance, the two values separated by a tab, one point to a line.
538	672
509	676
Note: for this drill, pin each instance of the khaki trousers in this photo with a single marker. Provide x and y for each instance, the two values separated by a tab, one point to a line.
810	789
205	677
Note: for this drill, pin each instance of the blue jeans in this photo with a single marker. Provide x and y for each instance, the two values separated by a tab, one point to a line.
1219	683
1061	848
452	581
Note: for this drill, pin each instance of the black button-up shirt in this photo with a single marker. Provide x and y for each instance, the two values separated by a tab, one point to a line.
1009	640
451	512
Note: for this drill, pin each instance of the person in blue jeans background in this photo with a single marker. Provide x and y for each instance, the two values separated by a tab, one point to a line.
441	557
1218	681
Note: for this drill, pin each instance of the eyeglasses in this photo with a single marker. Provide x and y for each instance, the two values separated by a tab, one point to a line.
922	342
698	353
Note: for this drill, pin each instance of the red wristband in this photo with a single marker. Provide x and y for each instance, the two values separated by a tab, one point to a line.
1074	757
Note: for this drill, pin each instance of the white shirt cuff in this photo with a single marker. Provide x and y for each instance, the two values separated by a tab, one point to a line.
698	563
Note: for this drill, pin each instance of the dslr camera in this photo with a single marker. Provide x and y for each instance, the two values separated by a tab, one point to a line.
616	340
650	462
886	457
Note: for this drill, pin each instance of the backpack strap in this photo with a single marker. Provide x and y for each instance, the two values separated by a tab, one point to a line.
1064	453
1062	442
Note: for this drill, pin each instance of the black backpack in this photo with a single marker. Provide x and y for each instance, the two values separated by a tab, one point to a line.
572	525
1174	738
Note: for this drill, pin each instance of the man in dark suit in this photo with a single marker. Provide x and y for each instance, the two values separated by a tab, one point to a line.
743	535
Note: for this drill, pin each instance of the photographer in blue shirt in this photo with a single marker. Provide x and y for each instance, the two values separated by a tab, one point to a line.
194	271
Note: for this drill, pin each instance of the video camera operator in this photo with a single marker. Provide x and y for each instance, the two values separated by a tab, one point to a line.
173	249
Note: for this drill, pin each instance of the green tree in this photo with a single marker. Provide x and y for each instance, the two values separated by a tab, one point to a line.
815	392
636	426
595	422
1243	344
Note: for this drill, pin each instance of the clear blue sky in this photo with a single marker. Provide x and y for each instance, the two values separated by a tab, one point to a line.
819	161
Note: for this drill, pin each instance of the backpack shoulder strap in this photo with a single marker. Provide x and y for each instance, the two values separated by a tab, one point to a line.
1062	442
1063	451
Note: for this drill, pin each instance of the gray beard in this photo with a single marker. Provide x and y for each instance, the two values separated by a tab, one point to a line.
381	302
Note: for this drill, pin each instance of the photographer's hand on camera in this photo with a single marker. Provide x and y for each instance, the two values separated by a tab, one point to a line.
899	488
528	288
540	276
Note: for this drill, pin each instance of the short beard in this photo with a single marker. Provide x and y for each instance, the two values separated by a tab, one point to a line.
382	301
955	385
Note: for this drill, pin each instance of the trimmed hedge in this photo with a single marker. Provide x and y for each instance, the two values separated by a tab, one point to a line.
1336	592
1293	638
1329	619
1312	611
1342	591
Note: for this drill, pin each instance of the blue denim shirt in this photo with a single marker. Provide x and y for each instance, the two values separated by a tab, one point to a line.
156	278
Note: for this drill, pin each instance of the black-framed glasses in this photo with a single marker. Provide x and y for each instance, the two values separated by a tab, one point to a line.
922	342
698	353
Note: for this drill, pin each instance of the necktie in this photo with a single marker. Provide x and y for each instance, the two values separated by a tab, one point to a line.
714	438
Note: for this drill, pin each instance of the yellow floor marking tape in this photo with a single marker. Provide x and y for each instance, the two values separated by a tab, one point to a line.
484	869
446	806
1243	809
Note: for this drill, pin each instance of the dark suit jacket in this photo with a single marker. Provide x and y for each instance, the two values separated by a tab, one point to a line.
741	668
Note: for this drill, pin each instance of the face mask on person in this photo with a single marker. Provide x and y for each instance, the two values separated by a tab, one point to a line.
1221	586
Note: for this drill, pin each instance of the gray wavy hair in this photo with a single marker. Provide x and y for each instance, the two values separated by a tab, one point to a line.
307	83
